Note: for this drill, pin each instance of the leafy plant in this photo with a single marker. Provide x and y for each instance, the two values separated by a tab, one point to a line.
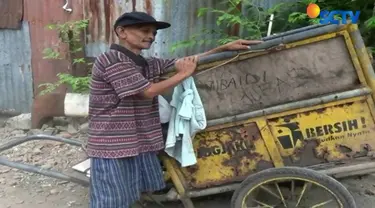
366	19
70	34
78	84
251	18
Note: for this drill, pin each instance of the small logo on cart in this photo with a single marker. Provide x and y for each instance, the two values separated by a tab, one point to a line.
332	17
290	133
289	141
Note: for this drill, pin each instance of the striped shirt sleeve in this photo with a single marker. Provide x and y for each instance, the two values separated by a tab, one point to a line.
166	65
126	79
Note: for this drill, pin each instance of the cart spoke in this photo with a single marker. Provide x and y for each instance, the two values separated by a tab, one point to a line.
323	203
305	186
262	203
292	189
281	194
270	192
288	192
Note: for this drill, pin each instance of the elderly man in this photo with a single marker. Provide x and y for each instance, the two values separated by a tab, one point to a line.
124	126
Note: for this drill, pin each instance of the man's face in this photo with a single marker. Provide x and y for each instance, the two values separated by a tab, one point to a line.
138	37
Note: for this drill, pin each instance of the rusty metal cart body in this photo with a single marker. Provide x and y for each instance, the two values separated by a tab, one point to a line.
303	98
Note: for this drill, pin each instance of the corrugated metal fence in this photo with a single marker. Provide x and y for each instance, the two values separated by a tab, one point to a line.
16	82
183	17
16	87
21	71
181	14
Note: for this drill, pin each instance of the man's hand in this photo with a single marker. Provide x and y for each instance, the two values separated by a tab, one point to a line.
239	45
186	66
232	46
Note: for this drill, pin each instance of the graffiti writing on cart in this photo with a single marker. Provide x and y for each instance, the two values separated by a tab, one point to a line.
328	131
228	148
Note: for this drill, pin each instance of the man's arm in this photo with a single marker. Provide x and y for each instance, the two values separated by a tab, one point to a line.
166	64
212	51
160	87
127	80
185	67
232	46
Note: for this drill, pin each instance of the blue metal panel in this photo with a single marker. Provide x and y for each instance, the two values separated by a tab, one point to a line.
16	83
183	17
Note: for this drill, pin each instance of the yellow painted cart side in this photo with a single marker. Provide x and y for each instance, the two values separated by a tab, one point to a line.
329	128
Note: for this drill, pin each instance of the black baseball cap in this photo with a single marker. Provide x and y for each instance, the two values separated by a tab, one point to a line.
139	18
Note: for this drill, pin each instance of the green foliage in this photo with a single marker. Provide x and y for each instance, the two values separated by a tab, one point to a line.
70	34
366	19
78	84
253	20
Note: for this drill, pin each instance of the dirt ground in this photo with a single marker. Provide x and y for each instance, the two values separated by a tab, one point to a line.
19	189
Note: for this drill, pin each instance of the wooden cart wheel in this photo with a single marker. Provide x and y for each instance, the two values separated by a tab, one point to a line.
291	187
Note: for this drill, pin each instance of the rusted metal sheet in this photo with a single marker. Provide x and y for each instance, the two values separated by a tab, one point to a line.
337	133
102	14
40	13
181	14
227	155
11	13
16	87
277	78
